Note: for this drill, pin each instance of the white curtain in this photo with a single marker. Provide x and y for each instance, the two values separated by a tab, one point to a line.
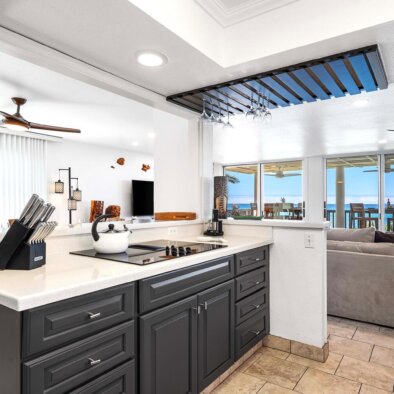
23	171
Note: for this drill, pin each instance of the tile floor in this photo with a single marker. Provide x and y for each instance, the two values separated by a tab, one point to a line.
361	361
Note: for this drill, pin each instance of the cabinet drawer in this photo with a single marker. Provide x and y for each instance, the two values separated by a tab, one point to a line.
62	322
120	380
251	282
251	305
250	260
250	332
67	368
163	289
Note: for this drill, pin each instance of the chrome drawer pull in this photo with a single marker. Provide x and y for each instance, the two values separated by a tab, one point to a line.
257	306
258	259
255	332
94	362
93	316
198	309
257	283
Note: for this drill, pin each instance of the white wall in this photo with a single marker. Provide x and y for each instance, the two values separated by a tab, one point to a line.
176	154
97	180
298	286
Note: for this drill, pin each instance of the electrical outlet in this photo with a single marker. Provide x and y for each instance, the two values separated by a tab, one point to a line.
172	230
308	240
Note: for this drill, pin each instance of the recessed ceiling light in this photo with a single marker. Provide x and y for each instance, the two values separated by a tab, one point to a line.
361	103
151	58
135	143
382	142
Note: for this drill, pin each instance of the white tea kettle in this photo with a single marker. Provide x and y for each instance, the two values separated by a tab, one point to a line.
111	240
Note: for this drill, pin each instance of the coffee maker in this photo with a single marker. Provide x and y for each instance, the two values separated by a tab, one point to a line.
215	227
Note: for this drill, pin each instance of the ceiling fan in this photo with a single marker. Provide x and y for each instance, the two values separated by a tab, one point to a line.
280	174
17	122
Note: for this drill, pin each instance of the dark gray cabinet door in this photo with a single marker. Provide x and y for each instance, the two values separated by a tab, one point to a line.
168	349
215	332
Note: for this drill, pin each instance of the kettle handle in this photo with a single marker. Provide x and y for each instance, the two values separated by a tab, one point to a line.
95	235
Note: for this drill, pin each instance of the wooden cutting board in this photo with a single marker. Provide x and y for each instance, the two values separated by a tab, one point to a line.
175	216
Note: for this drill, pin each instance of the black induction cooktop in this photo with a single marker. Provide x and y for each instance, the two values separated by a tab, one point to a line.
152	252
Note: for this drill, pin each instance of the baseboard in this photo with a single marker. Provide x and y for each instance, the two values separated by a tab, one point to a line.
298	348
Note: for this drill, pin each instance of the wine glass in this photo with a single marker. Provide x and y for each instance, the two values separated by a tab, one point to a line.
204	115
227	124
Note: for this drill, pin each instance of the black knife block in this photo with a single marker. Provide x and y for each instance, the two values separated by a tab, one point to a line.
14	237
28	256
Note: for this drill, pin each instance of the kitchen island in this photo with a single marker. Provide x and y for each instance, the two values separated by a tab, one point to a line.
79	323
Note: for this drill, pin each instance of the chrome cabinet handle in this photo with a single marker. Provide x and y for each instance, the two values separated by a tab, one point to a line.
256	306
93	316
255	332
94	362
258	259
204	305
198	309
257	283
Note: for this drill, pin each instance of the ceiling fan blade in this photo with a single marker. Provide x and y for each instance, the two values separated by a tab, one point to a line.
38	126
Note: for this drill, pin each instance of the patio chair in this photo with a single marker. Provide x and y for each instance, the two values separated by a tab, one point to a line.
235	210
358	215
268	211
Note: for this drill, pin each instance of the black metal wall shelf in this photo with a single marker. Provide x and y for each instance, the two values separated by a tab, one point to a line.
351	72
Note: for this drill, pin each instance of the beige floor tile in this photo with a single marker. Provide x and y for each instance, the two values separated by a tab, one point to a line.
365	372
239	383
250	361
367	326
341	329
379	338
387	330
318	382
330	366
349	347
383	355
365	389
270	388
273	352
275	370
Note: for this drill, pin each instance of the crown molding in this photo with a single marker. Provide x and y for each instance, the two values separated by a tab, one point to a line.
228	16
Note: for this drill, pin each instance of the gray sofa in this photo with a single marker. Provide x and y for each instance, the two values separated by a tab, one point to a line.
360	276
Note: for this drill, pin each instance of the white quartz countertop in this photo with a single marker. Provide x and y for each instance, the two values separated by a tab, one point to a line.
65	276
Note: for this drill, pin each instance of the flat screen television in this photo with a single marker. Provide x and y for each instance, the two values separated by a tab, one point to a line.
142	198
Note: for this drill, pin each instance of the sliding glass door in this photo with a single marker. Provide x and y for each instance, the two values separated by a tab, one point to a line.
352	185
282	190
243	191
388	224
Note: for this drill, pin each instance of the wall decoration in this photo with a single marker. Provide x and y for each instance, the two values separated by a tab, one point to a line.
96	209
113	210
121	161
221	195
145	167
113	167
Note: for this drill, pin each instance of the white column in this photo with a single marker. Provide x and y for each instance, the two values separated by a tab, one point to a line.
340	197
313	188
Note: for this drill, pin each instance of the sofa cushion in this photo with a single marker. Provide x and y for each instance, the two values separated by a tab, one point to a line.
384	237
362	247
354	235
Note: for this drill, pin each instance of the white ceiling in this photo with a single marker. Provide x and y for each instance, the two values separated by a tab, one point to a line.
104	118
107	34
327	127
230	12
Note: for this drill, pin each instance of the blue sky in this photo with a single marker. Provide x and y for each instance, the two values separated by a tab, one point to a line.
274	189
